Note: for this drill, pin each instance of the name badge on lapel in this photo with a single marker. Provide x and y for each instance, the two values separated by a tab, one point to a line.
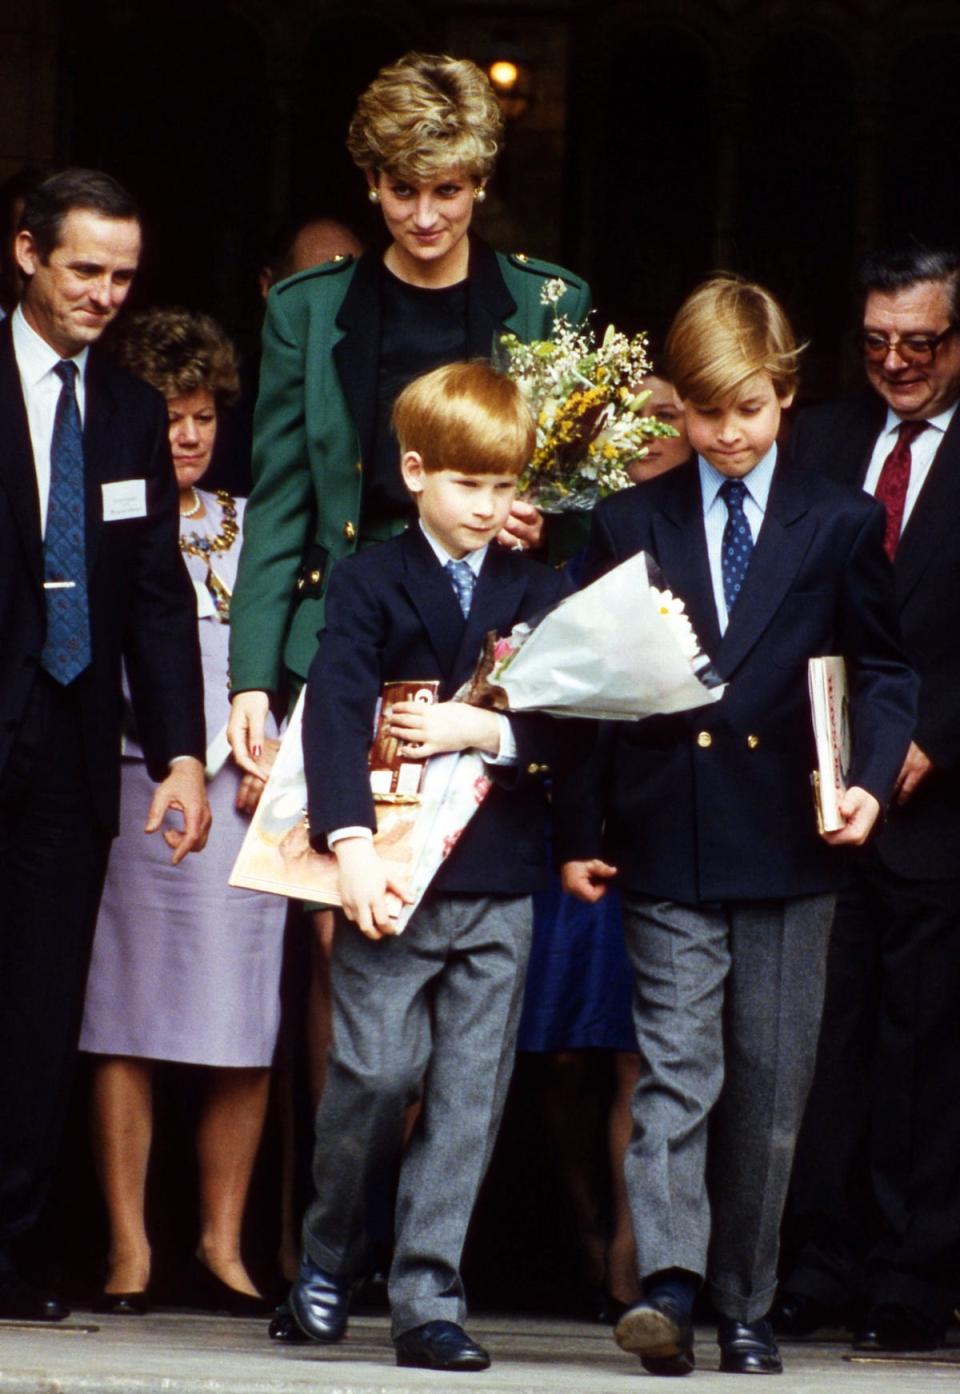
124	498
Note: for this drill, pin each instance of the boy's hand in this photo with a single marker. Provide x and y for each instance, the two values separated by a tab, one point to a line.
916	767
364	885
859	811
587	880
424	729
523	530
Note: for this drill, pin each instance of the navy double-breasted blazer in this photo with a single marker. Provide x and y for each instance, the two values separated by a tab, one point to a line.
715	804
392	615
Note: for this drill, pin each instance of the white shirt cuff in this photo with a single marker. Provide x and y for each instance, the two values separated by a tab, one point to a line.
507	754
339	834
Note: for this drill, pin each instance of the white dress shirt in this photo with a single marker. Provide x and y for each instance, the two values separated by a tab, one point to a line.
757	484
41	387
922	451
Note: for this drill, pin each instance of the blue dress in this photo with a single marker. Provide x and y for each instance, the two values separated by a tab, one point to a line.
579	981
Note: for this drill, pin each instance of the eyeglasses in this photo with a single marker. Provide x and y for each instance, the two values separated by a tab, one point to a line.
914	348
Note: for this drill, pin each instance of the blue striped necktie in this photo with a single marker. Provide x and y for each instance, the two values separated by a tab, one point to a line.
66	651
736	547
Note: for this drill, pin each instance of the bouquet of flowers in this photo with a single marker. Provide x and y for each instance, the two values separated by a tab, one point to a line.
589	414
621	649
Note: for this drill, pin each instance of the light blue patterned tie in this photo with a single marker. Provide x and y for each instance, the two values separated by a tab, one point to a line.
67	649
463	579
736	548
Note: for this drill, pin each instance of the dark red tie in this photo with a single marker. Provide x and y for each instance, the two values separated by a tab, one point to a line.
893	482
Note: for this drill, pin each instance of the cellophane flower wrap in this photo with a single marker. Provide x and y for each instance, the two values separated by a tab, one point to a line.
588	410
620	649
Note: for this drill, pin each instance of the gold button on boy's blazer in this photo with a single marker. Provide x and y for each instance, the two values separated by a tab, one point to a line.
704	740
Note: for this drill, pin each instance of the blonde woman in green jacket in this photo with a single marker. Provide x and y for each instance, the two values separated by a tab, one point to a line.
340	342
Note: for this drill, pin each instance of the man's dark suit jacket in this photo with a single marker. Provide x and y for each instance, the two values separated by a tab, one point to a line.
715	804
141	601
921	839
392	614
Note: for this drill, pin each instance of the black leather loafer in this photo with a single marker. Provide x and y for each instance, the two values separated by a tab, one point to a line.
21	1301
440	1345
660	1333
320	1302
283	1327
794	1314
899	1328
748	1348
865	1335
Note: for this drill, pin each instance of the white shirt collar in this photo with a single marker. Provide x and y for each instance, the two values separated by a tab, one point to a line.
757	482
473	559
940	422
35	357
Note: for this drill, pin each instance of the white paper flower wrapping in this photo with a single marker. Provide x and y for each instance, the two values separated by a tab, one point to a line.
621	648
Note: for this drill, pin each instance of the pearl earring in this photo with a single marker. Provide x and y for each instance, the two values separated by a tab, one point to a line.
479	194
373	195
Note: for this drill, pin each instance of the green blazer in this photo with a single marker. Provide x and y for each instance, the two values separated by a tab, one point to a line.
313	430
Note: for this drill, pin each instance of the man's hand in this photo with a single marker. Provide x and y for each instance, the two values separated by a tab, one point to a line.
587	880
915	769
431	728
859	811
184	789
523	529
364	886
252	785
245	731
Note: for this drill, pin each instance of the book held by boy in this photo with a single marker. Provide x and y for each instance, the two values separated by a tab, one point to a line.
830	710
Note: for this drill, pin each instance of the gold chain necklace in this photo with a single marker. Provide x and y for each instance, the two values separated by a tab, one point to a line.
197	544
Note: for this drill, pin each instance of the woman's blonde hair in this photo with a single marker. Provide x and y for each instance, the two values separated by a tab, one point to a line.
466	417
424	114
725	332
179	351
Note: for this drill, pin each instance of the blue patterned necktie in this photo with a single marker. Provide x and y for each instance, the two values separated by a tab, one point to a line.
67	649
736	548
463	579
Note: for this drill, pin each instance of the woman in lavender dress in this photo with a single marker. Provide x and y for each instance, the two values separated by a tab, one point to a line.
184	967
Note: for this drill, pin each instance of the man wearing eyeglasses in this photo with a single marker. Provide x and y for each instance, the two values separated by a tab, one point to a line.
875	1199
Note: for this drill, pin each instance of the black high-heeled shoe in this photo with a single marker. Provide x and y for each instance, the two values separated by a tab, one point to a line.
121	1304
214	1295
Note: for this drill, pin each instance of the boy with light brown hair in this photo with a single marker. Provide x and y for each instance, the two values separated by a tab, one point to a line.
707	820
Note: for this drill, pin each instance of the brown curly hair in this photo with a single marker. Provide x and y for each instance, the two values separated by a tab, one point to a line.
424	114
179	351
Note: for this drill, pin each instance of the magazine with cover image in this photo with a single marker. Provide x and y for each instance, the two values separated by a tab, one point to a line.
421	809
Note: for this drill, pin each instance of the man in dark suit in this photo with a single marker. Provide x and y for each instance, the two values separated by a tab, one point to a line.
875	1203
728	890
91	574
